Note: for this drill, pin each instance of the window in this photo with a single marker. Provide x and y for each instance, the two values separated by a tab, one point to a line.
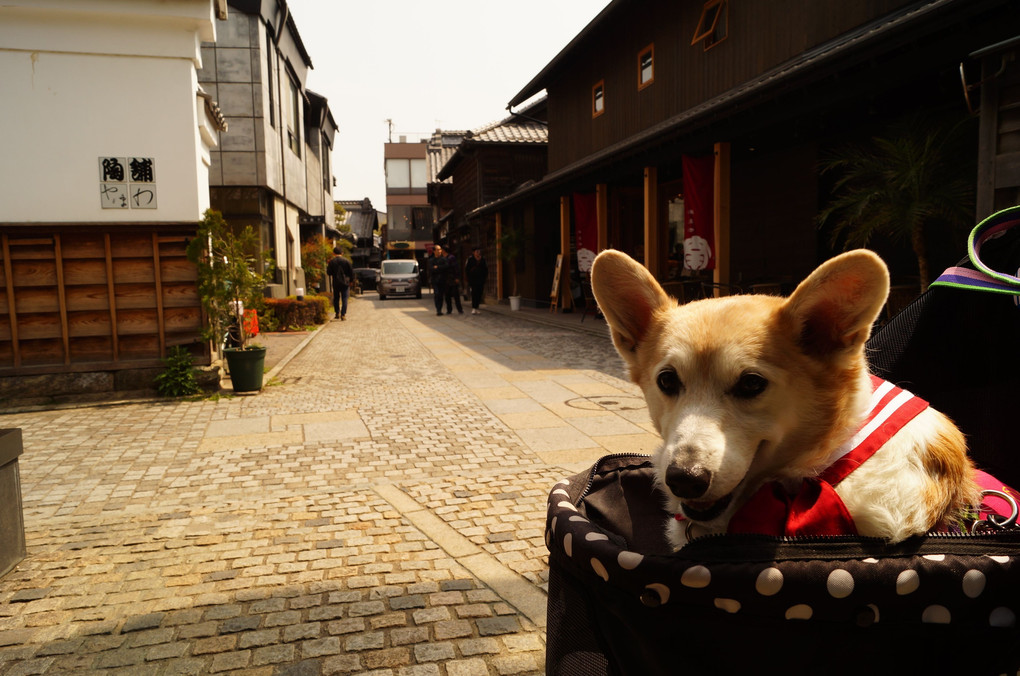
406	177
419	174
292	114
398	175
646	67
326	172
598	99
269	80
408	222
713	24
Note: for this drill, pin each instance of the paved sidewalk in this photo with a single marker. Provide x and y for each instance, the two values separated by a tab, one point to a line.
378	509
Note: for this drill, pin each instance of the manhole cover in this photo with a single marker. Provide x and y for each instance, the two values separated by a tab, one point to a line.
607	402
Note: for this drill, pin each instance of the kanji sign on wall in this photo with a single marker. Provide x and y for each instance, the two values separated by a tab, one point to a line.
127	182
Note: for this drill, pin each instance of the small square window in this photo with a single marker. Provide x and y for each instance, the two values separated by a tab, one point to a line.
646	67
713	25
598	99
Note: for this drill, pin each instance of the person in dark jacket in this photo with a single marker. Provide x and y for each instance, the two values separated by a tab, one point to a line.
453	285
339	269
477	271
439	268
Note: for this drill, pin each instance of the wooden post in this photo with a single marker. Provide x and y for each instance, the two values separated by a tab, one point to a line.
12	311
499	255
566	298
988	134
652	220
111	293
58	263
721	213
602	216
554	295
158	278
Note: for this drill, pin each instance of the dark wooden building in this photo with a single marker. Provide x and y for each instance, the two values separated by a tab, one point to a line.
994	94
363	220
489	163
759	90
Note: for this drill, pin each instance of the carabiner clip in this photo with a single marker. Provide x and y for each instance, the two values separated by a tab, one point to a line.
996	521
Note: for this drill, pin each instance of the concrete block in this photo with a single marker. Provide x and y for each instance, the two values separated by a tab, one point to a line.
12	523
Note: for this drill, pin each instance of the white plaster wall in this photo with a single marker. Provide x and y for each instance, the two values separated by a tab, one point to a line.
78	85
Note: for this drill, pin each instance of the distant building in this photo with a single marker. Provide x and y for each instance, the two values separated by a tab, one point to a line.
107	143
441	147
410	217
273	170
487	164
363	220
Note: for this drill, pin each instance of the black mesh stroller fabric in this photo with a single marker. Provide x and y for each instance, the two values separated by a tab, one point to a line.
621	603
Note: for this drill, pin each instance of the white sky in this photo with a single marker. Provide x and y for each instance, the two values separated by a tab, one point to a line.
426	65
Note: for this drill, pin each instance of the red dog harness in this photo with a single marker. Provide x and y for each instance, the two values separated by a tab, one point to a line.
815	508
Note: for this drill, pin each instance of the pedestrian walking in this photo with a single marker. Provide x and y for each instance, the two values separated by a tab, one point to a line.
477	272
341	272
453	285
439	267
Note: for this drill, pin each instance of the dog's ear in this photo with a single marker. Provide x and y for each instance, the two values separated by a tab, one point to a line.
628	296
836	305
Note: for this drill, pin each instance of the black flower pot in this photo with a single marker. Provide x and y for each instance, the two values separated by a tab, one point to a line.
246	367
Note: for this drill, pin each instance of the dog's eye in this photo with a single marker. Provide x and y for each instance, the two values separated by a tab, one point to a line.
750	386
669	382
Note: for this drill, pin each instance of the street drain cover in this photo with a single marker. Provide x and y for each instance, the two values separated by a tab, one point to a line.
605	402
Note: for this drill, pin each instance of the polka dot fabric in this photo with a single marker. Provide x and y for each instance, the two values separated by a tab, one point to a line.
598	533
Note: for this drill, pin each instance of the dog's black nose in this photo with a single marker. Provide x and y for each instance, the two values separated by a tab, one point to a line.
688	482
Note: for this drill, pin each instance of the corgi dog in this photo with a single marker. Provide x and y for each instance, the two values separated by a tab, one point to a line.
757	398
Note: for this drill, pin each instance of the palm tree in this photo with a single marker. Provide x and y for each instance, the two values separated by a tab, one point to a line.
901	184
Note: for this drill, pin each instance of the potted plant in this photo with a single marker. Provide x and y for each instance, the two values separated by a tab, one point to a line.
909	183
510	244
228	284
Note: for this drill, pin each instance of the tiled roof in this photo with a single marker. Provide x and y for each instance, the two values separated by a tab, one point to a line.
363	223
511	130
361	218
441	148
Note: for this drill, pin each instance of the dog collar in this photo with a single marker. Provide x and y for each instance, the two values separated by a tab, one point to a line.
889	410
815	508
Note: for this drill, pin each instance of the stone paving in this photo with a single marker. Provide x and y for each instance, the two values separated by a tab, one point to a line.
378	508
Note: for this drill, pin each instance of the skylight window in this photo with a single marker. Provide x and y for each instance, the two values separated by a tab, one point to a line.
713	26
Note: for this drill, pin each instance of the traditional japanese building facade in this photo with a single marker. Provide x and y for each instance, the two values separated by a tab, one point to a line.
658	109
364	223
488	163
107	141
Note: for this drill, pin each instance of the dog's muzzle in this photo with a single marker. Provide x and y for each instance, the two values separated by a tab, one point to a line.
688	482
705	510
691	483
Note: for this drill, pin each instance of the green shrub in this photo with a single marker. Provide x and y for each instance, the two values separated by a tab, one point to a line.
282	314
178	376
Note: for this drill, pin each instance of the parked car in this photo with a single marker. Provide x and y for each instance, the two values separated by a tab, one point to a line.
367	278
399	278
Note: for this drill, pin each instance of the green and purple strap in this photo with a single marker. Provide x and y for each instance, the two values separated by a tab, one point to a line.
983	277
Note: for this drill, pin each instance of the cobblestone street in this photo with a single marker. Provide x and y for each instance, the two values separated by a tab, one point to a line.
378	509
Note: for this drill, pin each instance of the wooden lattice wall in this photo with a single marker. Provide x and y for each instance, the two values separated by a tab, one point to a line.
96	298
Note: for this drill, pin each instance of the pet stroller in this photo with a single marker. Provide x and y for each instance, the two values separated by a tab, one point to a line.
621	603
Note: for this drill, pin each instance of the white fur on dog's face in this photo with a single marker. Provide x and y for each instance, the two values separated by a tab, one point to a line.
743	389
733	410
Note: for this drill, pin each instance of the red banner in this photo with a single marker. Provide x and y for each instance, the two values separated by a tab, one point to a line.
585	230
699	226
